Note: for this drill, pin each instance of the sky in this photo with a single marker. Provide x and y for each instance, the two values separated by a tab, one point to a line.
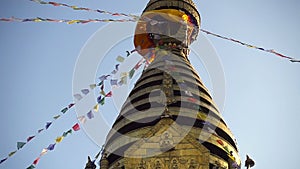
38	62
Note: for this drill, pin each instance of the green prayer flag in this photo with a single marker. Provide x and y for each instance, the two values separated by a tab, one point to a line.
102	101
131	73
56	117
64	110
226	149
31	167
20	145
99	84
67	132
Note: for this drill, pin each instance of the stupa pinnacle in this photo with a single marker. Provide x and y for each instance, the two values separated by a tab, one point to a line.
169	120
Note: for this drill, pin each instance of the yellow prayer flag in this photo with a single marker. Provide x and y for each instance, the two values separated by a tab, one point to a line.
102	92
124	74
73	21
12	153
96	108
37	20
59	139
93	86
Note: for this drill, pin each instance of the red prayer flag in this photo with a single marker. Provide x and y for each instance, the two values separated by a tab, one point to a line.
30	138
76	127
36	161
109	94
220	142
71	105
192	99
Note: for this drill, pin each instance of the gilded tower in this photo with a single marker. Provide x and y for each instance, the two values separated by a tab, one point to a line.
169	120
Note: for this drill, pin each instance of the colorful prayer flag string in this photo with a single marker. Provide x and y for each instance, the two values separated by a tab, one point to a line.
21	144
64	110
57	4
82	119
251	46
51	147
68	21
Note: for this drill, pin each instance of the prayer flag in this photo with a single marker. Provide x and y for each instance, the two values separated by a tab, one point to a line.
191	99
131	73
78	96
40	130
100	84
220	142
59	139
76	127
99	99
103	77
226	149
128	53
48	124
93	86
31	167
20	145
56	117
85	91
114	72
102	92
73	21
71	105
96	108
12	153
109	94
102	87
35	162
44	151
102	101
120	59
189	93
138	65
196	107
82	119
51	147
123	81
114	82
30	138
64	110
117	67
124	74
4	159
90	115
65	134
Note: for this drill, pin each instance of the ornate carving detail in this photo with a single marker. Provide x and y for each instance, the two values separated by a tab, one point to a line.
166	142
218	165
183	160
193	164
142	165
157	164
174	164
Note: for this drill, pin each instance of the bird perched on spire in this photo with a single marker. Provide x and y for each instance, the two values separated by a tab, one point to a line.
90	164
249	162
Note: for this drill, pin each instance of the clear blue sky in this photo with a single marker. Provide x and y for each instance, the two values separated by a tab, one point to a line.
262	91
